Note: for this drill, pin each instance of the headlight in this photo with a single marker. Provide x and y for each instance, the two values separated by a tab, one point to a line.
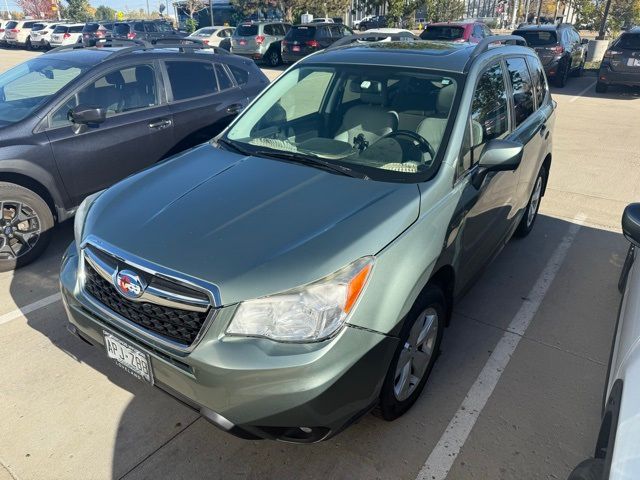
305	314
81	215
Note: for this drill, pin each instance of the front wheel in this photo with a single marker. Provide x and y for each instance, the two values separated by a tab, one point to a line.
26	222
417	352
273	58
601	87
531	212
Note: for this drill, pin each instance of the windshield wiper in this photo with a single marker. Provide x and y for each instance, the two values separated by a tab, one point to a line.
311	160
233	146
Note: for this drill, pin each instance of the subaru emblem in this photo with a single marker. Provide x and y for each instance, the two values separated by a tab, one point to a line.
129	284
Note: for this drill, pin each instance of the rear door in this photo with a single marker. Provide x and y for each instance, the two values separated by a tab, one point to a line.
625	53
200	108
137	132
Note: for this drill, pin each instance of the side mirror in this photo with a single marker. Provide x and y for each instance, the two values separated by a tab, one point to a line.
631	223
84	115
498	156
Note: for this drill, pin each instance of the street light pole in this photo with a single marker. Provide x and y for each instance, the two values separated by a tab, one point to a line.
211	11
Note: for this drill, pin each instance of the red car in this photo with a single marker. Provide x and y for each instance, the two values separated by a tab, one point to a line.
456	31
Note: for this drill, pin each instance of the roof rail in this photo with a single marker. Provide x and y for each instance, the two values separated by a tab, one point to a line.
136	45
368	37
484	44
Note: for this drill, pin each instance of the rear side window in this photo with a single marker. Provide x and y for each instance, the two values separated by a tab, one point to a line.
191	79
246	31
241	76
138	27
38	26
522	89
75	29
540	81
28	24
150	27
60	29
224	82
538	39
438	32
269	30
336	31
629	41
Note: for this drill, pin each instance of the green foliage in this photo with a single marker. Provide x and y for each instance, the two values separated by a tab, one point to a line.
105	13
191	25
77	10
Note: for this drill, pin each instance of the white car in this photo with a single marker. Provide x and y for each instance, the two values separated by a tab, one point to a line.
356	23
388	35
322	20
213	35
617	453
18	33
41	34
66	34
3	23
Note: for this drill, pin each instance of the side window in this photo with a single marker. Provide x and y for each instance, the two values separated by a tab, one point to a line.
223	79
522	89
477	31
336	31
269	30
191	79
149	27
306	96
241	76
540	80
117	92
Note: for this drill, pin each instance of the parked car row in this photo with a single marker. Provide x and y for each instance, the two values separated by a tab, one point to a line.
33	34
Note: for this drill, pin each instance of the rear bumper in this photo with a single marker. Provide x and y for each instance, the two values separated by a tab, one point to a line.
249	387
609	77
288	57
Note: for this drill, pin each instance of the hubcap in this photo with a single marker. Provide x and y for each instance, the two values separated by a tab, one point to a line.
19	229
416	354
535	202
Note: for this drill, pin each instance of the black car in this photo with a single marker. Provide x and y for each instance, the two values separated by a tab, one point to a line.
94	31
375	22
621	62
76	120
559	47
307	38
147	30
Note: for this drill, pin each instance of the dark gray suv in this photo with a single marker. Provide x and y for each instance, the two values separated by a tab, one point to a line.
621	63
75	121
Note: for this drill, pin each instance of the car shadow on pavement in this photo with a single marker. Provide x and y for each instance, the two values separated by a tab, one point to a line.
154	436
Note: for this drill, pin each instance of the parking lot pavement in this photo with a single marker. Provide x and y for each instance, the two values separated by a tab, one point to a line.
68	413
10	57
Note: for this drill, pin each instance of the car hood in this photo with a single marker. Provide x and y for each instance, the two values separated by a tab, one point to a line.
251	226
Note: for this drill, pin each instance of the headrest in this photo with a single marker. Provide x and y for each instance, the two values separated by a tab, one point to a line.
371	91
115	78
445	99
144	75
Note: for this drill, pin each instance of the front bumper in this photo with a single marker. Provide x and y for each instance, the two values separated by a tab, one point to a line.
611	77
250	387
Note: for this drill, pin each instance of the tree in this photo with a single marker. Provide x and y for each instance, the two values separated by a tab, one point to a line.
105	13
78	10
36	8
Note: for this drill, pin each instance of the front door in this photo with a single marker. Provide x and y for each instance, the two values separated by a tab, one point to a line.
137	132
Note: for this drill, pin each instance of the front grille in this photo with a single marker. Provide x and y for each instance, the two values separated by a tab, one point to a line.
178	325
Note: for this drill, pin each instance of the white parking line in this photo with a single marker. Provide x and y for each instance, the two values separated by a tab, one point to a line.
32	307
586	89
455	435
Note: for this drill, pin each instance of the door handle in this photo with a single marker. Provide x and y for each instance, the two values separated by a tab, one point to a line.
543	128
160	124
235	108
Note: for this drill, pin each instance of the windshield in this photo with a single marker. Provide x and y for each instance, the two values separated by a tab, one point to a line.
388	123
442	32
629	41
25	87
10	25
538	38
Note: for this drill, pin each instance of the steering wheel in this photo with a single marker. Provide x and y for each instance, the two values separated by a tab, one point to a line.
423	143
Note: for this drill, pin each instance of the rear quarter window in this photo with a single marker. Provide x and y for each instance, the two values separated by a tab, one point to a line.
241	75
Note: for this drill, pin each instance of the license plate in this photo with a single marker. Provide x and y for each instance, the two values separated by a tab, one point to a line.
128	357
633	62
242	42
295	49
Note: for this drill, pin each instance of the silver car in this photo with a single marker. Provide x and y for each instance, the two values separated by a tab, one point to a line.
617	456
260	41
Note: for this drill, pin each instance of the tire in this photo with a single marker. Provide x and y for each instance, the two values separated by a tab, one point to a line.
28	45
21	242
561	76
272	58
579	71
531	211
591	469
430	307
601	87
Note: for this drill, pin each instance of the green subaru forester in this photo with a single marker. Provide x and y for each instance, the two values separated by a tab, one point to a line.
298	271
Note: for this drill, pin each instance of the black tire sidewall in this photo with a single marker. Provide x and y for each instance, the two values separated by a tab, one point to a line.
9	191
273	58
523	229
390	407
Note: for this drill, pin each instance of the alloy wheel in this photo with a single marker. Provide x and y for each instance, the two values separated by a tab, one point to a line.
416	355
20	229
535	202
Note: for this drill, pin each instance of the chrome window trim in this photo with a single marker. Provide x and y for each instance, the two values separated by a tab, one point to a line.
158	340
